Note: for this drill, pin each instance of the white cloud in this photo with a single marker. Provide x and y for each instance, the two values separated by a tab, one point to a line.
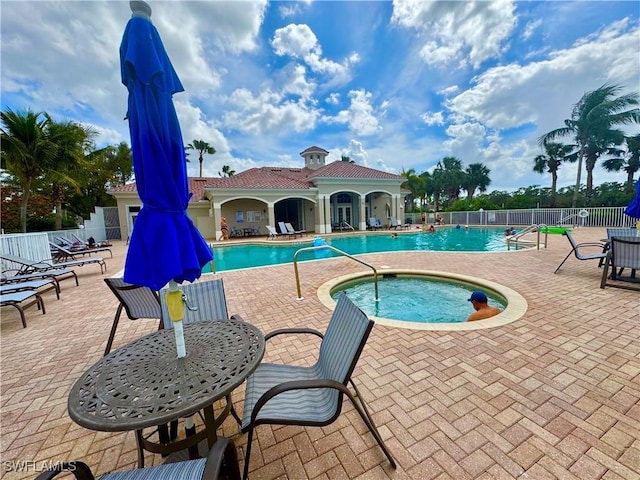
469	31
530	28
333	99
299	42
433	118
268	113
360	115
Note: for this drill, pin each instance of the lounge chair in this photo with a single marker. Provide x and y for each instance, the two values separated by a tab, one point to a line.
222	458
293	231
56	275
137	301
29	266
580	255
297	395
234	232
273	234
204	301
624	252
375	223
64	253
103	243
284	232
40	286
18	299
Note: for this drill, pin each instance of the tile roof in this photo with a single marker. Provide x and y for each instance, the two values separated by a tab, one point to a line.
276	178
340	169
314	149
196	186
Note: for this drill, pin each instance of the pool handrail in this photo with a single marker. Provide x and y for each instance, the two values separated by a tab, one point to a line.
531	228
339	252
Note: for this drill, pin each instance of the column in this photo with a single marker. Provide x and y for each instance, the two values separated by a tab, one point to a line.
327	214
320	213
217	217
363	220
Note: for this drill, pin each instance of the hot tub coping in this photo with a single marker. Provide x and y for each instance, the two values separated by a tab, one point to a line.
515	309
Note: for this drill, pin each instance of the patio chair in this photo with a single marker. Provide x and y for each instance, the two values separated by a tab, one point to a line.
394	223
234	232
624	252
64	253
29	266
273	234
375	223
40	286
58	274
222	458
312	396
205	301
578	249
293	231
284	231
137	301
18	299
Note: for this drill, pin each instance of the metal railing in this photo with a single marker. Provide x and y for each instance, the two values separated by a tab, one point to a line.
515	238
567	217
339	252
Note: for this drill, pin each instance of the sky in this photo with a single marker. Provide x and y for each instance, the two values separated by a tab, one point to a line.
393	85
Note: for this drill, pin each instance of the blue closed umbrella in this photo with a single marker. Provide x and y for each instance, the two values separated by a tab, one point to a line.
165	244
633	210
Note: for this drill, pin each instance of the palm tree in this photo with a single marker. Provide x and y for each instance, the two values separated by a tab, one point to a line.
202	147
226	171
27	152
450	177
344	158
476	178
414	184
555	154
592	125
630	165
71	140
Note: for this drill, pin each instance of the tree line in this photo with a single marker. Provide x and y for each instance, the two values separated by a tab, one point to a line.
593	132
53	172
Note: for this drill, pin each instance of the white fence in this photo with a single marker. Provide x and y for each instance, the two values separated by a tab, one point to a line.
580	217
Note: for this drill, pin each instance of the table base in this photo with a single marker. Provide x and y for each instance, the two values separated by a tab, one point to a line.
165	446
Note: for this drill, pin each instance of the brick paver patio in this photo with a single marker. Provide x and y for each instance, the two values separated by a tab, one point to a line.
555	394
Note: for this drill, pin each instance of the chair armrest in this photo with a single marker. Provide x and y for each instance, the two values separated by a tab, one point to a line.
223	451
80	471
290	331
592	244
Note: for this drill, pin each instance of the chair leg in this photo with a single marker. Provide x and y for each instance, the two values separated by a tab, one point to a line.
247	454
605	270
24	321
233	410
360	406
113	329
565	259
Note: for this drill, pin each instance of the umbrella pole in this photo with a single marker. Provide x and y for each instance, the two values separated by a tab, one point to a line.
175	306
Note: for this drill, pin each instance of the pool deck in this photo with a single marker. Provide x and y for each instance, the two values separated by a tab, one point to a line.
555	394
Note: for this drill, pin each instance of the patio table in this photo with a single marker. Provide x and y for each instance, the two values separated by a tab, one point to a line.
143	384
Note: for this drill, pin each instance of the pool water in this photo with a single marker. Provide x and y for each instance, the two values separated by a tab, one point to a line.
233	257
415	298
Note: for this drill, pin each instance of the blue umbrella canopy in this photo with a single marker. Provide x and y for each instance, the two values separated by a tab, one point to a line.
633	210
165	244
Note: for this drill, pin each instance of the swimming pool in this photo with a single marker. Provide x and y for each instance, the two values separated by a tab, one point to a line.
234	257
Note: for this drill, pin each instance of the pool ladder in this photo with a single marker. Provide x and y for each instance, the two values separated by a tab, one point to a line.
530	229
339	252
